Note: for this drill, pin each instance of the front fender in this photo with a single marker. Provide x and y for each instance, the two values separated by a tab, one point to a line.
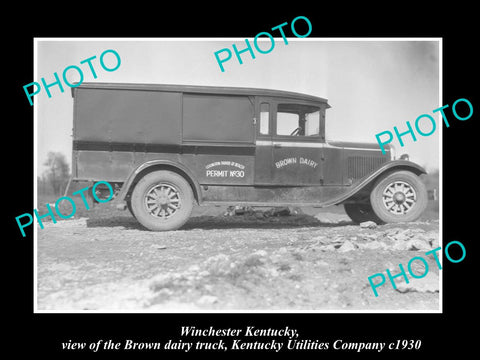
367	180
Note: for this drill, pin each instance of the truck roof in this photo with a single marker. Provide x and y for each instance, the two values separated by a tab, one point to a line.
202	89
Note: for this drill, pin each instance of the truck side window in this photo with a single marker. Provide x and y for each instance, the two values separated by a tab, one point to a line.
287	123
298	120
312	123
264	118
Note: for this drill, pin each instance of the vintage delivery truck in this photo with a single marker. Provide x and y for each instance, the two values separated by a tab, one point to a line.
166	148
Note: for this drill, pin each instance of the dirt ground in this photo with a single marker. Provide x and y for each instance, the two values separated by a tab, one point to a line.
318	260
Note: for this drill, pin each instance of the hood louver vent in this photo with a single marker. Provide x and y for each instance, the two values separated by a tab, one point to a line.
359	166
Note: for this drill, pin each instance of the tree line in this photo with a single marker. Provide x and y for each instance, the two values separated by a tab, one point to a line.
54	178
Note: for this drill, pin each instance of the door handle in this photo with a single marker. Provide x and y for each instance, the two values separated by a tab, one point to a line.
277	146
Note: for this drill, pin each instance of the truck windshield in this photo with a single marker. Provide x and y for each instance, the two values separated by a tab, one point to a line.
298	120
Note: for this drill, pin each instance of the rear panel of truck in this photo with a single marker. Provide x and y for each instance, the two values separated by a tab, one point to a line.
113	127
116	129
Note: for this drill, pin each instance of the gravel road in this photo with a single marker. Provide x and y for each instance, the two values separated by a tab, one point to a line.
317	260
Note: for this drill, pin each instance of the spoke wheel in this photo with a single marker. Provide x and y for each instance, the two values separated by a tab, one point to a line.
399	197
162	200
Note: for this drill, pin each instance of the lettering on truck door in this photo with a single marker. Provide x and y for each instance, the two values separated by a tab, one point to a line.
289	149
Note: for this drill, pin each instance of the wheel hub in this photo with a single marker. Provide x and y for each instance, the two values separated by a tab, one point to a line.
162	201
399	197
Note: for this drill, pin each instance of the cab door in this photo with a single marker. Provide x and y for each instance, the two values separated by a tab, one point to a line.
290	152
263	142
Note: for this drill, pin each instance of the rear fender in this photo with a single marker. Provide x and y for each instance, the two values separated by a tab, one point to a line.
153	165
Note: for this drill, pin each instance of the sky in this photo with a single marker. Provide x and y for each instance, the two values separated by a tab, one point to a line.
371	84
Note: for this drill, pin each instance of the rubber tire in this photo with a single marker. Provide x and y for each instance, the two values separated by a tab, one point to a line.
410	178
361	212
186	200
129	206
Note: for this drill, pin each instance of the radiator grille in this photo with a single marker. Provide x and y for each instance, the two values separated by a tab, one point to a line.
359	166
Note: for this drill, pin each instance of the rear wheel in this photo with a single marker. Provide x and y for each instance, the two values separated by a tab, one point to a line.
162	200
399	197
361	212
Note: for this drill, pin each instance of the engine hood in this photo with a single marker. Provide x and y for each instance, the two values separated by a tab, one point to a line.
357	145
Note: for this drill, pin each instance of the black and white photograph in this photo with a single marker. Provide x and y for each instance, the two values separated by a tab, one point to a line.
297	180
234	181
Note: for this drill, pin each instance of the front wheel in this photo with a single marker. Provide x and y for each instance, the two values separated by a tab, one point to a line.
129	206
162	200
399	197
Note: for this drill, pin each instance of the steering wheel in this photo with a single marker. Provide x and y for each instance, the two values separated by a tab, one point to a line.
296	131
